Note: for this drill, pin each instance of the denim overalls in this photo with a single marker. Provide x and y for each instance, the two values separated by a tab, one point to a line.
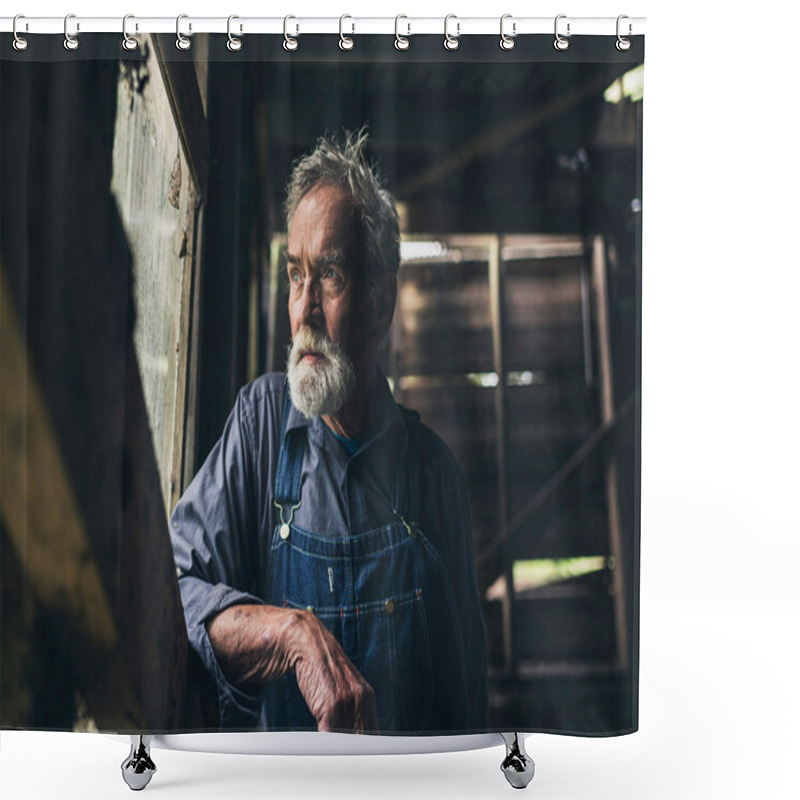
385	594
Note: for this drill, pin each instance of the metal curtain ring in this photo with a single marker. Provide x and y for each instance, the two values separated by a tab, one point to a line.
289	43
20	42
70	42
561	43
234	44
345	42
128	42
401	42
623	44
182	42
451	42
507	42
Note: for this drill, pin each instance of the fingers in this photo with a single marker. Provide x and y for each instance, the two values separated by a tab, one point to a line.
350	710
367	720
337	694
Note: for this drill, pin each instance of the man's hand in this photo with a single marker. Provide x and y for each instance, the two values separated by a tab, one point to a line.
336	693
255	644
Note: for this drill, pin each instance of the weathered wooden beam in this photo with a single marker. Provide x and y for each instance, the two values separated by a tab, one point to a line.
38	503
46	527
180	79
81	506
151	622
182	467
191	329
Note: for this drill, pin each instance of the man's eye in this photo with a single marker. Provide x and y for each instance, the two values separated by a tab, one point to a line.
294	276
330	274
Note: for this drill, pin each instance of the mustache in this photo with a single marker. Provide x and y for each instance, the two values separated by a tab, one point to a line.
308	339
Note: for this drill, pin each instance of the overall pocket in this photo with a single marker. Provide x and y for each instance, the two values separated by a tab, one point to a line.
396	661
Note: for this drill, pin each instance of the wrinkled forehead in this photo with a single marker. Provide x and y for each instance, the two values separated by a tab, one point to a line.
326	218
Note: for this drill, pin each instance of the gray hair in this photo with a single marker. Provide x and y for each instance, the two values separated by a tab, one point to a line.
345	166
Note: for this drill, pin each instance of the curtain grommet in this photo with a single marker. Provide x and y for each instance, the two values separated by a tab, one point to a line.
345	42
623	44
182	42
451	42
71	43
561	43
129	43
20	43
234	44
290	44
401	42
507	42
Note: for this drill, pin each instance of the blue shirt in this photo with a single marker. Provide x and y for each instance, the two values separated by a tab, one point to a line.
222	527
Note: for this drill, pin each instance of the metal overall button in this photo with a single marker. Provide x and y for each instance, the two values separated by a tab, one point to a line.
284	529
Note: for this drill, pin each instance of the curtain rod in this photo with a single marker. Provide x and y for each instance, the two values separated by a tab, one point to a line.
297	25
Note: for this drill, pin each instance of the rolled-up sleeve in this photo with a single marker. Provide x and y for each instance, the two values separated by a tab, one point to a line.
211	531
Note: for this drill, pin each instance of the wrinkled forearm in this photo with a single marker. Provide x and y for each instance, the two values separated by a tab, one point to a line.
256	643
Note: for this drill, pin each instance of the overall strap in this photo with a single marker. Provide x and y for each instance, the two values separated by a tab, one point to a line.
289	472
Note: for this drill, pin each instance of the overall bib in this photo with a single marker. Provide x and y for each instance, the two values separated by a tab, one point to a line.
385	595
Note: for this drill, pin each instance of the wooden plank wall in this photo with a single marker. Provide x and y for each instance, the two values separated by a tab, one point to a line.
448	365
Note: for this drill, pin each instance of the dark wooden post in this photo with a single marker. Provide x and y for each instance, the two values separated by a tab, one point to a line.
81	505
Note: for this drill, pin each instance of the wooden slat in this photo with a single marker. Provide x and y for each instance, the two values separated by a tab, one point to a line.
193	338
536	670
599	279
182	436
542	416
586	325
444	321
497	302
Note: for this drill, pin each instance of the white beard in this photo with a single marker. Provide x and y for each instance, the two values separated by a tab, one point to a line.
321	388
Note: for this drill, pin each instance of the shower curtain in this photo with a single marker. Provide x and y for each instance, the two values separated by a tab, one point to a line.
478	573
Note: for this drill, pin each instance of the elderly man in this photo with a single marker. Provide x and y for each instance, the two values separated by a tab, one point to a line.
324	551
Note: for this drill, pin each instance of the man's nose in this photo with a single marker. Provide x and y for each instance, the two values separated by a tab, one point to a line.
311	303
